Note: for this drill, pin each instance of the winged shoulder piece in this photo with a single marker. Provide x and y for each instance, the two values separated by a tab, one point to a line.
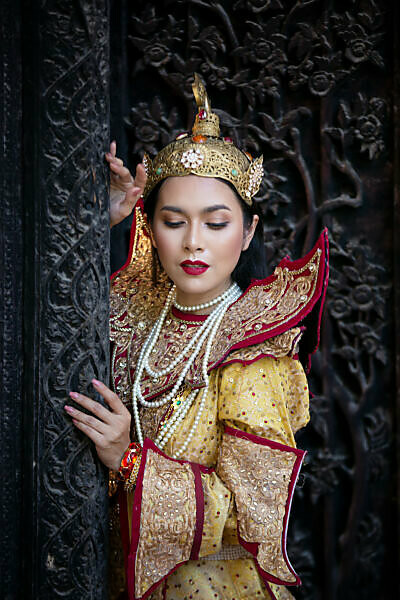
268	319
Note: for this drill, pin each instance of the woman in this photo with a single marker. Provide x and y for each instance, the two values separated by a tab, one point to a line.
206	361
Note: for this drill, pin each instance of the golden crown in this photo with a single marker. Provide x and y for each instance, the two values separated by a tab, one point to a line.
205	153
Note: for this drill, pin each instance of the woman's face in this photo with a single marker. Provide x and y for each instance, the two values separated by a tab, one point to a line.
198	231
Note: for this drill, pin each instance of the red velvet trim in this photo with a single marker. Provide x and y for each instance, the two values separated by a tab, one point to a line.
270	592
244	362
183	316
131	567
124	522
321	308
262	441
136	511
253	547
194	555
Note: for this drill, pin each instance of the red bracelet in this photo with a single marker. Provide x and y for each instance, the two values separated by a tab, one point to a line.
129	459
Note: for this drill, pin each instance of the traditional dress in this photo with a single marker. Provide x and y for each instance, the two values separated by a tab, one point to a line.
212	523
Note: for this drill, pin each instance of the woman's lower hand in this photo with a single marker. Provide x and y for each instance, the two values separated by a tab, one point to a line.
125	190
108	429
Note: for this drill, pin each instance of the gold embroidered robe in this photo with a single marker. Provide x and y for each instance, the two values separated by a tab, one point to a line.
213	523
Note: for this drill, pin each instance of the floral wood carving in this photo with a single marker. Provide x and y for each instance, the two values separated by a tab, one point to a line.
308	84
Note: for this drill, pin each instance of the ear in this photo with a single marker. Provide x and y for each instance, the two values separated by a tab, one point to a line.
249	234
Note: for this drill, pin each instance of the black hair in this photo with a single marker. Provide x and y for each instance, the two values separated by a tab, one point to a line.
252	263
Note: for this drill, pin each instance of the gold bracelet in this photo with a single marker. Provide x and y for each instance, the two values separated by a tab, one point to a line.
130	483
113	480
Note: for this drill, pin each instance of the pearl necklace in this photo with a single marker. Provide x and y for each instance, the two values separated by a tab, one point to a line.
196	307
207	330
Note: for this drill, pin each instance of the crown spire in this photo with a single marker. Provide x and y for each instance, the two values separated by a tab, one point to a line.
206	122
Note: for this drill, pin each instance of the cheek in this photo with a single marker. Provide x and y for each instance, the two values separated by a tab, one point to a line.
159	237
230	245
166	242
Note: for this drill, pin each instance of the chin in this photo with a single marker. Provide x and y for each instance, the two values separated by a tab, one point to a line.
199	285
194	286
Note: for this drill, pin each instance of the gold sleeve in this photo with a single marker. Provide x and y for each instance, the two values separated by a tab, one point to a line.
267	401
268	398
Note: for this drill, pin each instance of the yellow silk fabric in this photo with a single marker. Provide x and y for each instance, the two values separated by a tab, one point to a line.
268	398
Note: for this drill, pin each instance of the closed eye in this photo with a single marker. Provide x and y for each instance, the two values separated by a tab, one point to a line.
173	224
217	225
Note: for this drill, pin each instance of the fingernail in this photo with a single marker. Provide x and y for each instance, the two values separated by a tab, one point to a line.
73	395
96	382
69	409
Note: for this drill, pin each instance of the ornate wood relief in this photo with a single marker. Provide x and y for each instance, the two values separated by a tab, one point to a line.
308	84
66	293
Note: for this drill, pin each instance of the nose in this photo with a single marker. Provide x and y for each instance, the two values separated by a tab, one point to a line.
192	241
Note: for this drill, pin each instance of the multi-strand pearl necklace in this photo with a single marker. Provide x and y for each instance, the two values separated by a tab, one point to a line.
204	305
206	331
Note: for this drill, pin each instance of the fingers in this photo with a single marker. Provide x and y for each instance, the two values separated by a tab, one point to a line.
131	197
111	432
123	173
113	148
111	157
91	405
112	399
140	177
84	419
92	434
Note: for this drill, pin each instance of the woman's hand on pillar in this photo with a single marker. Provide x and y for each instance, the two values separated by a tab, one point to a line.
108	429
125	190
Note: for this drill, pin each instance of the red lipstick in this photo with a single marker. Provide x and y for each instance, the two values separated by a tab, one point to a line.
194	267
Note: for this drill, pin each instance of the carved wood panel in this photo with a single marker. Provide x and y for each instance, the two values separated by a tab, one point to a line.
66	252
309	85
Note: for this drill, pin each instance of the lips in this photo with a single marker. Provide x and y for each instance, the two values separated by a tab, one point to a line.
194	267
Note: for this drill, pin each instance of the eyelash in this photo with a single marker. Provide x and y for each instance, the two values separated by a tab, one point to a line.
175	224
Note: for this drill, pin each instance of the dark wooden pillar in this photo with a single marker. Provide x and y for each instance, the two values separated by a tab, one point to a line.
11	261
54	320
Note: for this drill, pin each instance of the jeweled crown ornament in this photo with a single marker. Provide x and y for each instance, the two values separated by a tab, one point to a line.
204	152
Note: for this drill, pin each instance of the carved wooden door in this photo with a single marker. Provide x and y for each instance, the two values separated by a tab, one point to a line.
314	86
54	271
310	85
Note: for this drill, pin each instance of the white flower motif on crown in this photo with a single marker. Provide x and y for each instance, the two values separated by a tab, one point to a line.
192	158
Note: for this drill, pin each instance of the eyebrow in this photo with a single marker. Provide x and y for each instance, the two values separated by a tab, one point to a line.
207	210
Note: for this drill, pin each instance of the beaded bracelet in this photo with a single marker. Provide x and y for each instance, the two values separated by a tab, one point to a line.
129	459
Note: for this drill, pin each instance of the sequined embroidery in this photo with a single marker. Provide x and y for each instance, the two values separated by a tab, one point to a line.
259	476
167	520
